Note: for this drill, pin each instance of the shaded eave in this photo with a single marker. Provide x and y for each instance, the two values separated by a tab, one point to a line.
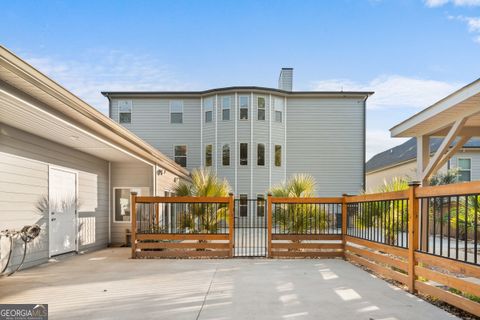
27	77
463	102
336	94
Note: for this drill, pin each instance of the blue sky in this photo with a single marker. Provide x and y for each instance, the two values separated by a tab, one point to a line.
411	53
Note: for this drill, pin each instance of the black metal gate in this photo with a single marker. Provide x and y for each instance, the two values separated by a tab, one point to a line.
250	231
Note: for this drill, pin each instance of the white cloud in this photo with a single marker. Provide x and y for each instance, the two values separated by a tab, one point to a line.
394	91
97	71
473	24
380	140
458	3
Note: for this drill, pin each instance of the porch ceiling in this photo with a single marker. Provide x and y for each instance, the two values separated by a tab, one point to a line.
35	120
436	119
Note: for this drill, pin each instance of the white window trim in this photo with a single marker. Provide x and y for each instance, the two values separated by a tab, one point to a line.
229	155
170	108
229	107
470	170
264	107
240	107
205	155
186	153
240	154
208	106
120	112
274	155
262	196
132	189
264	155
281	110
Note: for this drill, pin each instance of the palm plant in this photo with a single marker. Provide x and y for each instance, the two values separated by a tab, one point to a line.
203	217
298	218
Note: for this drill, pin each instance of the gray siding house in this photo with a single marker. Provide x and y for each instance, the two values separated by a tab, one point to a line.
255	137
67	167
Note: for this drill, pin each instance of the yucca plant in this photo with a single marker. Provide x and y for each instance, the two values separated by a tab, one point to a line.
203	218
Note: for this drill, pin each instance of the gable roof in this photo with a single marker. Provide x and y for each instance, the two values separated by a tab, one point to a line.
407	151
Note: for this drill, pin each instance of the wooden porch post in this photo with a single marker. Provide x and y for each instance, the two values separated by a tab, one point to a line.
133	215
231	221
344	221
269	225
413	229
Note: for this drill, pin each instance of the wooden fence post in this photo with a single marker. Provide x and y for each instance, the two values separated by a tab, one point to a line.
231	222
269	225
344	222
412	233
133	216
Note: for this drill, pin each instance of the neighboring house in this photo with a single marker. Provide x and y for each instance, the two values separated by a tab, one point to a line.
401	161
255	137
68	167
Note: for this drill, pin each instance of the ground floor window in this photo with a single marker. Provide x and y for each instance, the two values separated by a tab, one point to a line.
260	205
243	205
464	169
121	205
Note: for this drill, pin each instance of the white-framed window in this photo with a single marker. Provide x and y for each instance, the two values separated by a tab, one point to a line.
125	111
260	108
121	202
176	111
208	109
278	155
180	155
279	107
260	154
226	155
226	106
208	155
243	205
464	166
243	104
243	154
260	205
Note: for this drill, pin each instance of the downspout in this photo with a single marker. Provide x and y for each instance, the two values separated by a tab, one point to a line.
364	142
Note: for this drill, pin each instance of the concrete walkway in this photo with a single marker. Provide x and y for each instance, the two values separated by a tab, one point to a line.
107	285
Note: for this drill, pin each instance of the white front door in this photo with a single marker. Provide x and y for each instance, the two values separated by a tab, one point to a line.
63	206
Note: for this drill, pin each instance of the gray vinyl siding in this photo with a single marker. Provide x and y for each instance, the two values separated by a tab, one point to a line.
24	165
326	139
128	175
151	122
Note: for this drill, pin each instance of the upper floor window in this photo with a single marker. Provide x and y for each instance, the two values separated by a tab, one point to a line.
278	155
464	169
208	107
260	154
243	154
208	155
176	111
244	102
180	155
125	111
226	155
279	106
261	108
226	103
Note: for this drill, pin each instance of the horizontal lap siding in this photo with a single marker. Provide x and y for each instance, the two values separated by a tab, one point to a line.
128	175
24	163
326	138
151	122
260	135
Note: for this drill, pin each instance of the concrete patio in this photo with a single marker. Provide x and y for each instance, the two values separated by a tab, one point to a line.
108	285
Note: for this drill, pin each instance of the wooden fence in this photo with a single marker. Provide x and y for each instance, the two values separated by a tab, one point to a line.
398	235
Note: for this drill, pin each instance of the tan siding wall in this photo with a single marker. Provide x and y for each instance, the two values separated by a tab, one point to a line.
24	162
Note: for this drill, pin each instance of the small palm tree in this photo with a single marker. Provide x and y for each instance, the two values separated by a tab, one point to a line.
203	217
298	218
